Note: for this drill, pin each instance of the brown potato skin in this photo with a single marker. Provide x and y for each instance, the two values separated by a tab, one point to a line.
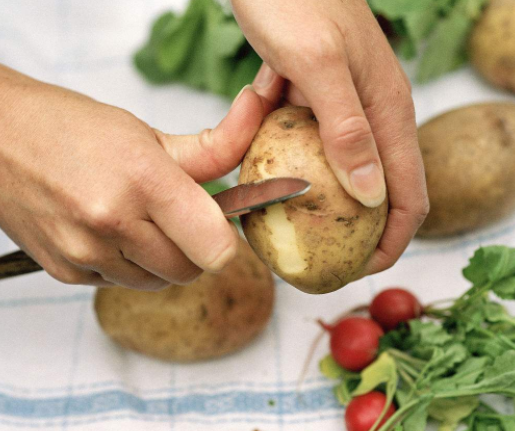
215	315
335	234
469	158
492	44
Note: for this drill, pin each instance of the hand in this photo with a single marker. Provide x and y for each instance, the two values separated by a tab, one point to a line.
97	197
336	60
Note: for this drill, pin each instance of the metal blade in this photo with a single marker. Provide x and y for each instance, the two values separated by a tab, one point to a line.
245	198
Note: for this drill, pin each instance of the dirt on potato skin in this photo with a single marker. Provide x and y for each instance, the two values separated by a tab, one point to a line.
336	234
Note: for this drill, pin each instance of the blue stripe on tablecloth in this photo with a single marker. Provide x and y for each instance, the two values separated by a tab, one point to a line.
317	400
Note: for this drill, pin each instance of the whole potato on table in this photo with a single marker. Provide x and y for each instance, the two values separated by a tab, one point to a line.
213	316
322	240
469	158
492	44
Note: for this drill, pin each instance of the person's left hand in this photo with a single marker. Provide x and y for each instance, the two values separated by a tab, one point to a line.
335	59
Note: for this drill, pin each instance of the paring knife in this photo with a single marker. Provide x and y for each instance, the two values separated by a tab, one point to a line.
235	201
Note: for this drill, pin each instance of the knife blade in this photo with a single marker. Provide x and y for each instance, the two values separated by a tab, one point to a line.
233	202
245	198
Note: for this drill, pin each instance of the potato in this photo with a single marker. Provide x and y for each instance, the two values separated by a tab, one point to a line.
215	315
469	157
318	242
492	44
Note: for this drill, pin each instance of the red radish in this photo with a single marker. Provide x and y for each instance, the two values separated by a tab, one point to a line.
363	411
354	342
393	306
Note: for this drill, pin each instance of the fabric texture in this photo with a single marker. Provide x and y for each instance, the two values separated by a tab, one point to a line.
57	369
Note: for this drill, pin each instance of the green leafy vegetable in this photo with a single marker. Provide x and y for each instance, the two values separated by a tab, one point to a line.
416	419
349	380
495	265
437	29
438	368
450	412
214	187
203	48
382	370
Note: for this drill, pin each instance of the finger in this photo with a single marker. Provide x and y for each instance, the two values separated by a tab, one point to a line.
349	144
147	247
189	217
86	254
61	269
401	226
68	273
393	122
214	153
269	85
294	96
121	272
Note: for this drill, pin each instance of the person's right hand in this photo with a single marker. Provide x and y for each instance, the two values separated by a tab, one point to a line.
98	197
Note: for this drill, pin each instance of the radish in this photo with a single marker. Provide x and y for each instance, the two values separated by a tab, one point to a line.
354	342
363	411
393	306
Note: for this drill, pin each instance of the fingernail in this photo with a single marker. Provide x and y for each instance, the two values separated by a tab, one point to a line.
246	87
222	260
264	76
368	185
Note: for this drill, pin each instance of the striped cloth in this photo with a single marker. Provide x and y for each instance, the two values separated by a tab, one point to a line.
57	369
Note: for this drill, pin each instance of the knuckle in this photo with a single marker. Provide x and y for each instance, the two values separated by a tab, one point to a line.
415	214
80	255
325	50
314	49
102	218
219	159
353	135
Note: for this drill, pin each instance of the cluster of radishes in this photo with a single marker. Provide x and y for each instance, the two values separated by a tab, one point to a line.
355	343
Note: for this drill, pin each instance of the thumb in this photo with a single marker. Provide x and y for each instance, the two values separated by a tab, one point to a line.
216	152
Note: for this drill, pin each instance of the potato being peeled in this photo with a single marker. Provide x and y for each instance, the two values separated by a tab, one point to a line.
322	240
215	315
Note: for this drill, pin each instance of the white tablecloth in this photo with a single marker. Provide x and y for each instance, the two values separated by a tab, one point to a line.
57	369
